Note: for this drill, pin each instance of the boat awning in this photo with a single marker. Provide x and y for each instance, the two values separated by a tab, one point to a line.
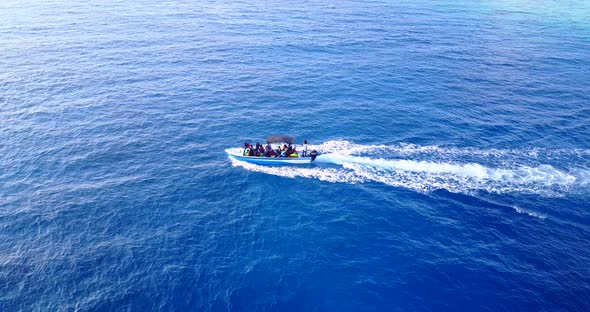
279	139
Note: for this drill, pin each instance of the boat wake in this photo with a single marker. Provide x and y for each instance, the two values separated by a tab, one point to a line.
457	170
530	212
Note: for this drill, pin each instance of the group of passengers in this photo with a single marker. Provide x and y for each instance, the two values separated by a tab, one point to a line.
267	151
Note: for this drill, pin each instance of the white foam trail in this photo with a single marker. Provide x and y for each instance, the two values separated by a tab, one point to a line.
529	212
349	148
449	173
345	147
545	174
583	176
323	174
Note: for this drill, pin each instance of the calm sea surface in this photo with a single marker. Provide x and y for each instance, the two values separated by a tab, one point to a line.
454	175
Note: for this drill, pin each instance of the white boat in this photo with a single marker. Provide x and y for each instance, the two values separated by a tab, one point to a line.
262	160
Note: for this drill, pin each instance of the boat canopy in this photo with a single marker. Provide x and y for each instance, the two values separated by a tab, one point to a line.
279	139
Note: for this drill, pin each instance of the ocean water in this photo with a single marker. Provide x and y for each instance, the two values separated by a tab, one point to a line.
454	175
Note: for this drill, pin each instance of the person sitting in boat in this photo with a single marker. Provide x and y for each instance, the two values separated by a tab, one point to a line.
257	150
279	151
246	151
284	151
294	152
289	151
261	150
269	153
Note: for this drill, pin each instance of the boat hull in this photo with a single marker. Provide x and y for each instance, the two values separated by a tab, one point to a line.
272	160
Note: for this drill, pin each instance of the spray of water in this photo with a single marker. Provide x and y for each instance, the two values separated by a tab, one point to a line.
458	170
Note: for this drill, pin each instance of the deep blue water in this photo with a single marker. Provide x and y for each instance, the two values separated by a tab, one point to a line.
455	172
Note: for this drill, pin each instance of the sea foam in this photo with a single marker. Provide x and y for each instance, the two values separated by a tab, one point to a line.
345	162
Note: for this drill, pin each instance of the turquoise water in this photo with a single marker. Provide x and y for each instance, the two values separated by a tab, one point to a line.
454	173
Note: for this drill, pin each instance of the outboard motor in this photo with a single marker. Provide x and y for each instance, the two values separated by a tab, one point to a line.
313	155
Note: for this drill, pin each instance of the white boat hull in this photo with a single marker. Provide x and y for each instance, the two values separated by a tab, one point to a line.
260	160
